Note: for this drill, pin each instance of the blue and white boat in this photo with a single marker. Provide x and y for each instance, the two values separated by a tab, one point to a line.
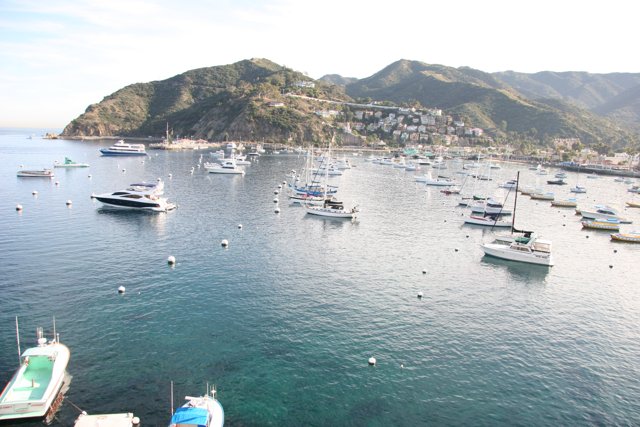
122	148
203	411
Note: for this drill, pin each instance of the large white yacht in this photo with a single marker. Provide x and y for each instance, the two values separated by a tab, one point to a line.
141	196
527	248
122	148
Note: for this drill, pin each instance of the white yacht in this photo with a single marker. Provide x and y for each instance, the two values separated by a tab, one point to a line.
527	248
227	166
331	209
602	212
36	173
122	148
140	196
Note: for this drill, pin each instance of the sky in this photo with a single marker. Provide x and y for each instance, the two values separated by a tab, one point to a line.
57	57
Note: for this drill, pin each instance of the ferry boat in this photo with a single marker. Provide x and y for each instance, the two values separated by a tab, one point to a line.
139	196
122	148
33	388
36	173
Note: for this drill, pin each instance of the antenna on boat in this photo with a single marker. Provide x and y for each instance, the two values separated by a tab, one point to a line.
55	335
515	202
171	397
18	339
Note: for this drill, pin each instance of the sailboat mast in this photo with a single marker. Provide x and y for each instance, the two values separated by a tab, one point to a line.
515	202
18	339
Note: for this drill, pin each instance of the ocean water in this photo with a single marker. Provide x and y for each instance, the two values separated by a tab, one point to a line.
284	320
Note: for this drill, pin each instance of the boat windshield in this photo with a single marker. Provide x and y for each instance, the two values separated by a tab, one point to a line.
542	247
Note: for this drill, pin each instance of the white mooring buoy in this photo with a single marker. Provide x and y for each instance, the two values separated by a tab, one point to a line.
420	294
240	226
224	243
276	192
34	192
69	202
171	260
277	210
275	200
89	176
18	207
57	182
372	361
121	290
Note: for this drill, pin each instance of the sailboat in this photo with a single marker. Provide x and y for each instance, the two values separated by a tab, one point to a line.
527	247
330	208
202	411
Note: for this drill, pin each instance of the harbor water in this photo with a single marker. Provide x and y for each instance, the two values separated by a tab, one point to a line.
284	319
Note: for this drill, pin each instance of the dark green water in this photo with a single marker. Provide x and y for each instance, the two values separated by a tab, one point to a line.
284	320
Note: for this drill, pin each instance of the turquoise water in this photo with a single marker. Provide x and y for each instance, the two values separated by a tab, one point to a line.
284	320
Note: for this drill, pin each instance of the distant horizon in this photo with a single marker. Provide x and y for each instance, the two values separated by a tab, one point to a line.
58	58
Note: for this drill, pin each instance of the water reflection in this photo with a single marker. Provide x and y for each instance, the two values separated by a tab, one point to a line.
141	218
528	273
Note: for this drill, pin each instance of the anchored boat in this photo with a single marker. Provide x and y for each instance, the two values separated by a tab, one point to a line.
33	388
203	411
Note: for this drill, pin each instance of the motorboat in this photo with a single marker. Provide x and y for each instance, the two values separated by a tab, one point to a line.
140	196
602	212
34	387
542	196
566	203
559	181
527	248
122	148
242	160
228	166
486	220
631	237
605	224
633	204
578	189
508	184
490	207
203	411
36	173
438	182
68	163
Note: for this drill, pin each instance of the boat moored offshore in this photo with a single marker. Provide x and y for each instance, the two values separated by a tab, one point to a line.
122	148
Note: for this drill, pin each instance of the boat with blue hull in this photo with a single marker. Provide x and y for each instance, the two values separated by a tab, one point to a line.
203	411
122	148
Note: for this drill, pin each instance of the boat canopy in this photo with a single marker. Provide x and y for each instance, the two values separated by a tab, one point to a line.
191	416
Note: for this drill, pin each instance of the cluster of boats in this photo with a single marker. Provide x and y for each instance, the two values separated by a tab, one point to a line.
36	390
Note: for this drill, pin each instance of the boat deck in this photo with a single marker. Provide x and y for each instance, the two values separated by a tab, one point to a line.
33	382
105	420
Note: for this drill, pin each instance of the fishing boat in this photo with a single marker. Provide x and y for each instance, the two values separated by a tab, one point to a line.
35	385
203	411
36	173
527	247
605	224
68	163
122	148
631	237
138	196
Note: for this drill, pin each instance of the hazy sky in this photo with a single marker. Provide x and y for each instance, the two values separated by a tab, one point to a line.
59	56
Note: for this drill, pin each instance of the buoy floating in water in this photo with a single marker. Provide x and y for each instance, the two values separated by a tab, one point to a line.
57	182
171	260
420	294
34	192
277	210
93	195
18	207
240	226
69	202
224	243
170	176
424	271
279	186
276	192
121	290
372	361
275	200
